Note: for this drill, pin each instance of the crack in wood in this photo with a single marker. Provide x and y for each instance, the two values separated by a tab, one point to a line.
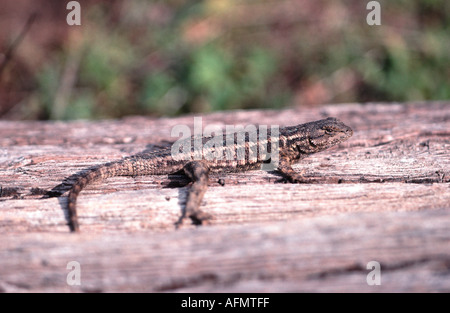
441	265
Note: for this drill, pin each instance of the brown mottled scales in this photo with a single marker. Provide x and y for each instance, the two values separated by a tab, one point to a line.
294	143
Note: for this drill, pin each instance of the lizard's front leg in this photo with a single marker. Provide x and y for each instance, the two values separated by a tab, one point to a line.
198	172
285	168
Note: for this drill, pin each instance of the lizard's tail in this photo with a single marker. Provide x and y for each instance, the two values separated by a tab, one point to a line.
103	172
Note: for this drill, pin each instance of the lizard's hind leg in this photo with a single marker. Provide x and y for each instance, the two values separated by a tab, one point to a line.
198	172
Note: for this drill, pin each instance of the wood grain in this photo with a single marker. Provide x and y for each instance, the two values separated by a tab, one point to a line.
328	253
390	179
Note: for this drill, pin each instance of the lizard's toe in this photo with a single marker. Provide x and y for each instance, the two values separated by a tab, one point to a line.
197	218
200	217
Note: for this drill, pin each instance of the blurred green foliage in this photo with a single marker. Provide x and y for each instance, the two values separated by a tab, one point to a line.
175	57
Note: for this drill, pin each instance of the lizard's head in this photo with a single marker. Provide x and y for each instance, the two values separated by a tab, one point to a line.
316	136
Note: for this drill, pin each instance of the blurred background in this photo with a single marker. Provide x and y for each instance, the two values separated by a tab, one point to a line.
166	58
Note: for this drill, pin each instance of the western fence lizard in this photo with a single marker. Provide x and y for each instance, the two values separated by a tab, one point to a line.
291	143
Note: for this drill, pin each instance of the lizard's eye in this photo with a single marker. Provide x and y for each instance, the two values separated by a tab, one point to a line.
328	131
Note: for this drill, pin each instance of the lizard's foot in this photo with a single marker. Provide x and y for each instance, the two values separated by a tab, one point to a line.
197	218
200	217
297	179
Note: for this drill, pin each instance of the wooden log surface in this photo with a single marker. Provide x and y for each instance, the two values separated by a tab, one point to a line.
384	195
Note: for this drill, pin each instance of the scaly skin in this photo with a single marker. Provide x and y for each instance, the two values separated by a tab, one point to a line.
294	144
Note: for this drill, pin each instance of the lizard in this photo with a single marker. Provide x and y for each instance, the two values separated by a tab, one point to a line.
294	143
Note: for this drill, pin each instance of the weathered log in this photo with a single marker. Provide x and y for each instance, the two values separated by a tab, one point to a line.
327	253
397	160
